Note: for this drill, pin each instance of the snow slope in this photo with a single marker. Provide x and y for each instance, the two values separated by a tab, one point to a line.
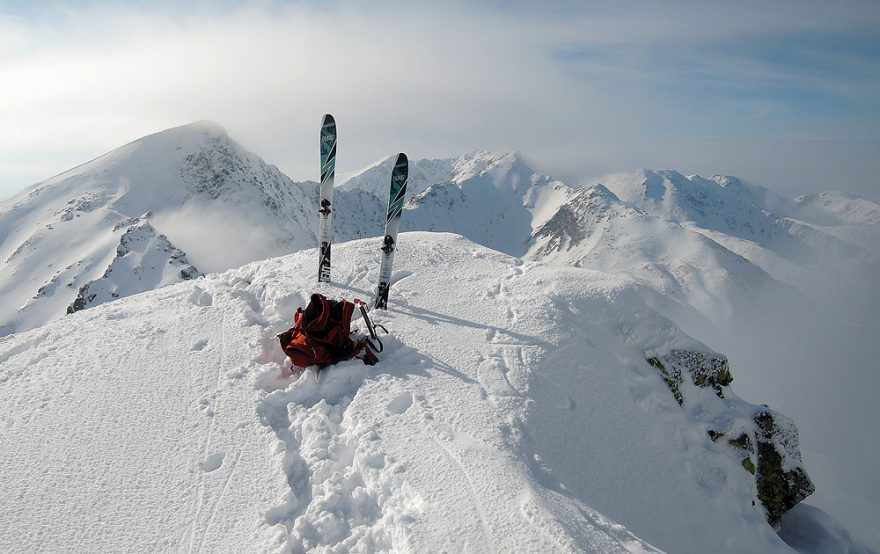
814	355
795	303
216	204
520	415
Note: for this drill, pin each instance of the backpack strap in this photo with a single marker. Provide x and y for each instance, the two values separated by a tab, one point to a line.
345	321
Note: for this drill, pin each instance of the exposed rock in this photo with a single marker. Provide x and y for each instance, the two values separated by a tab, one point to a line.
782	483
769	440
671	376
706	370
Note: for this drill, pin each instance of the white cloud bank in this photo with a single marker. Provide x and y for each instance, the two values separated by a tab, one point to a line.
579	88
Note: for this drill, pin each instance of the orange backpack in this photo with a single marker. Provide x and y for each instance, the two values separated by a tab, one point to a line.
321	335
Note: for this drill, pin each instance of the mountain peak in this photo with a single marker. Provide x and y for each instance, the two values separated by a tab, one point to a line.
478	162
599	192
197	129
505	170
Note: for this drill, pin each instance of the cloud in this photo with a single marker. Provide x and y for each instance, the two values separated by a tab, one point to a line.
218	238
581	88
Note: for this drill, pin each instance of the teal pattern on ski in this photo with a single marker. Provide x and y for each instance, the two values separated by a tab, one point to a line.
399	176
325	204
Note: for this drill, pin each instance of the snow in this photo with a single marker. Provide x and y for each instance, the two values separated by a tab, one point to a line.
518	416
492	198
807	347
812	531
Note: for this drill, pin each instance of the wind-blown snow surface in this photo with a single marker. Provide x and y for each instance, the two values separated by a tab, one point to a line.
793	301
513	410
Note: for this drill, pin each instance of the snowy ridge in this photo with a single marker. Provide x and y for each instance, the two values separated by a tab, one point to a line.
508	174
494	200
528	421
837	208
428	172
723	205
595	229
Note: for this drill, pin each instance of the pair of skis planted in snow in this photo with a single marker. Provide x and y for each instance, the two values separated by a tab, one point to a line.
399	176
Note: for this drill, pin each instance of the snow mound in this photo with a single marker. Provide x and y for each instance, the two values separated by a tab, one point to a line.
513	409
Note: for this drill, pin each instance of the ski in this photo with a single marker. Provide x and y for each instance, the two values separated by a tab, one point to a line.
325	208
399	176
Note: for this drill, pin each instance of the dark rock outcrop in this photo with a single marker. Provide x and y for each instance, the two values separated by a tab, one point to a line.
766	446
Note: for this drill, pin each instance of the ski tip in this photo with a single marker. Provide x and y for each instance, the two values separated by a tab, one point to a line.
328	120
401	159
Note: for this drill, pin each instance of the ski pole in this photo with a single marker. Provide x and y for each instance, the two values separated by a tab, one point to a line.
370	326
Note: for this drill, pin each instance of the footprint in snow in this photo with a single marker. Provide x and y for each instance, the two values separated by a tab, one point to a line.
213	462
200	345
401	403
201	297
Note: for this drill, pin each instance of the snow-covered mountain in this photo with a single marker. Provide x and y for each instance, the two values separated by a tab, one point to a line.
142	254
68	242
724	205
547	410
596	230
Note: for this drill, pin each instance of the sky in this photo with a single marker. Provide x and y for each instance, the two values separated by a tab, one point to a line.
783	94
